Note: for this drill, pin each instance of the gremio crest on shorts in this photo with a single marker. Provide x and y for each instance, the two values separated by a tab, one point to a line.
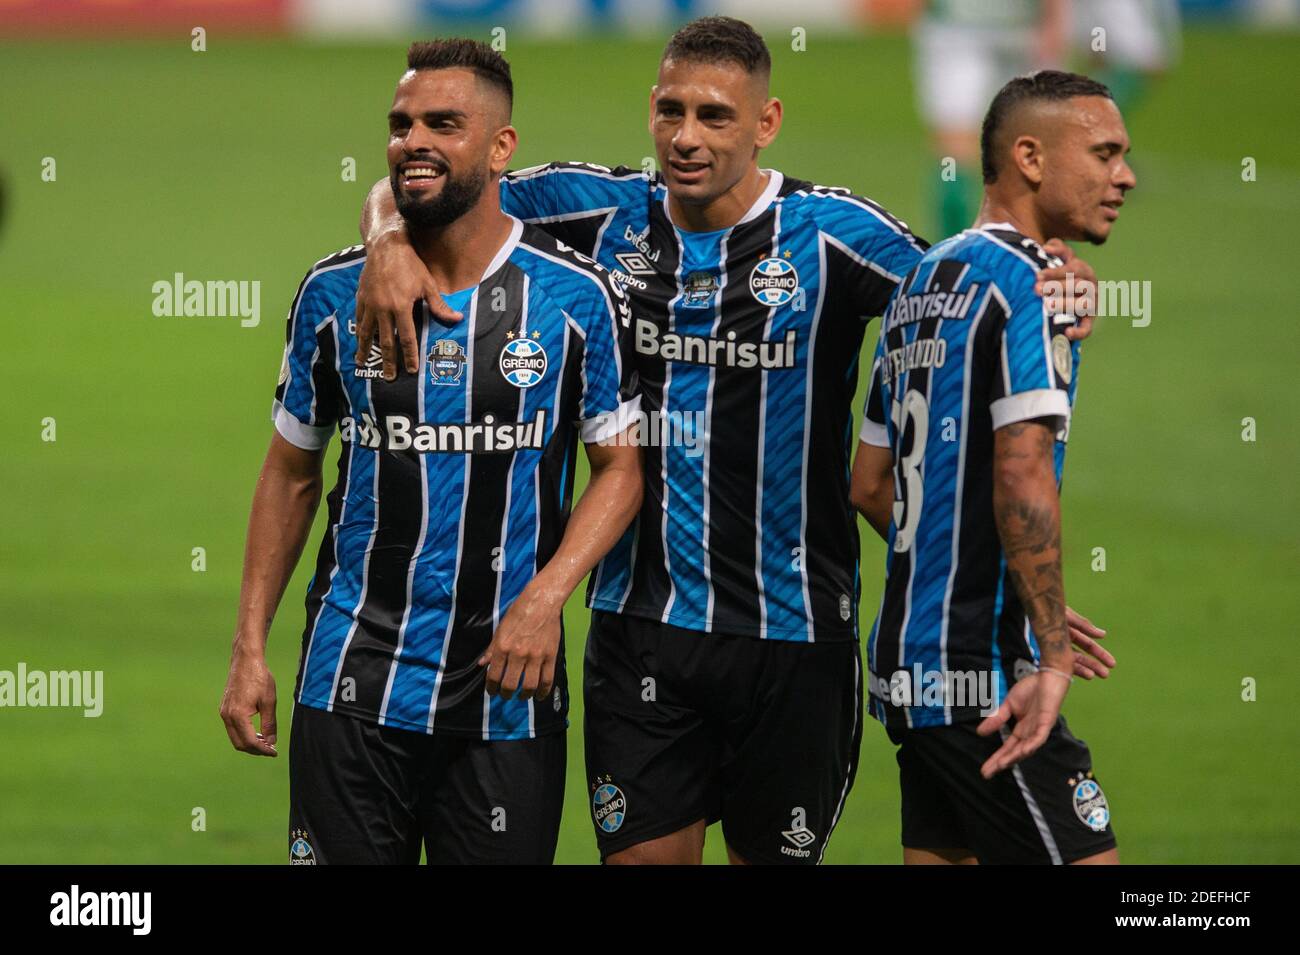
1090	803
300	851
608	806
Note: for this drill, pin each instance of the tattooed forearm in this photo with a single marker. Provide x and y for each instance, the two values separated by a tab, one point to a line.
1027	510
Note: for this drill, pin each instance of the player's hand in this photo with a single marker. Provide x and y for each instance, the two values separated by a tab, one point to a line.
1090	657
521	657
250	690
1073	285
393	280
1035	703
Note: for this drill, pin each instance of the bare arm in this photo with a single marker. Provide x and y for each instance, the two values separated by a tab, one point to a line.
872	487
393	280
284	504
523	651
379	213
1027	508
1021	469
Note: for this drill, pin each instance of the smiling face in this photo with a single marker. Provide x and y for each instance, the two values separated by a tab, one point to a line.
448	137
709	120
1084	174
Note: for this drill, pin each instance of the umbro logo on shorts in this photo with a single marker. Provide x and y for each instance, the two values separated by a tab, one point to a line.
801	839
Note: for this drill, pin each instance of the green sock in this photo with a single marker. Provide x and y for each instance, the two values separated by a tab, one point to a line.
1126	86
956	201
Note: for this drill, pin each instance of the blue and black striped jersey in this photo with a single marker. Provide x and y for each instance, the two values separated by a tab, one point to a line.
453	485
966	347
746	344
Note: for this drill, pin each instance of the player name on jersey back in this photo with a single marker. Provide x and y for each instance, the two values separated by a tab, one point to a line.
966	347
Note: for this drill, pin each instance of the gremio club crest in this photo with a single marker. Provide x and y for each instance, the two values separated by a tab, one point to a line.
773	281
523	362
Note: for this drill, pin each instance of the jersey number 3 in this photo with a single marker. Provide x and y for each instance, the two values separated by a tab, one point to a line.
908	484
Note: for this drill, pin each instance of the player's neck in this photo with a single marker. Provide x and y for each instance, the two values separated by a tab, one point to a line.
724	211
1019	212
457	254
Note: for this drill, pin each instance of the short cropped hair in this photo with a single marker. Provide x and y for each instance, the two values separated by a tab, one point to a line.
1048	85
455	52
720	40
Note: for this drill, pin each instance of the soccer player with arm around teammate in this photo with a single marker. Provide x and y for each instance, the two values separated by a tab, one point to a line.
722	672
431	697
973	584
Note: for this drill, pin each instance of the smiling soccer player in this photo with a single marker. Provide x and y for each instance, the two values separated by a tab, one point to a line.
431	693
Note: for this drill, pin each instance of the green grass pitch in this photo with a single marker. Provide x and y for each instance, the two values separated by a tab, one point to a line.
227	165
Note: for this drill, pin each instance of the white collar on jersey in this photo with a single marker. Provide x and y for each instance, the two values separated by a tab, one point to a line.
507	247
774	180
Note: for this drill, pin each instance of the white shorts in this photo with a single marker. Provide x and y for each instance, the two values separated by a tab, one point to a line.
1140	34
960	67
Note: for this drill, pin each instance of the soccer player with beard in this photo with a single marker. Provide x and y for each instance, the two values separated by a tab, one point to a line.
722	677
959	468
431	694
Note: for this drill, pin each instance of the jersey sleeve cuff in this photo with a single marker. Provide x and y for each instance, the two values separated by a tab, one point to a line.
607	425
306	436
1040	403
874	434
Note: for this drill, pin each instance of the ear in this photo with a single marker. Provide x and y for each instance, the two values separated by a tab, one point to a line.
503	148
654	94
769	123
1027	154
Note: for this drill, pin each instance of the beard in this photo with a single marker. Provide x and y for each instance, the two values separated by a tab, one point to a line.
458	196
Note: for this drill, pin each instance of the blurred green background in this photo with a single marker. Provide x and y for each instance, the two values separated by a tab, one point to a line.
226	165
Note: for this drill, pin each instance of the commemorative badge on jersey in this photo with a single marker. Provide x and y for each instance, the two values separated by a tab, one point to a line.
1090	803
523	361
773	282
608	805
446	362
699	290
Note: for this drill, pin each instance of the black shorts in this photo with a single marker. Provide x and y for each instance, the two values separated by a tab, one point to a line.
682	726
1047	809
360	793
